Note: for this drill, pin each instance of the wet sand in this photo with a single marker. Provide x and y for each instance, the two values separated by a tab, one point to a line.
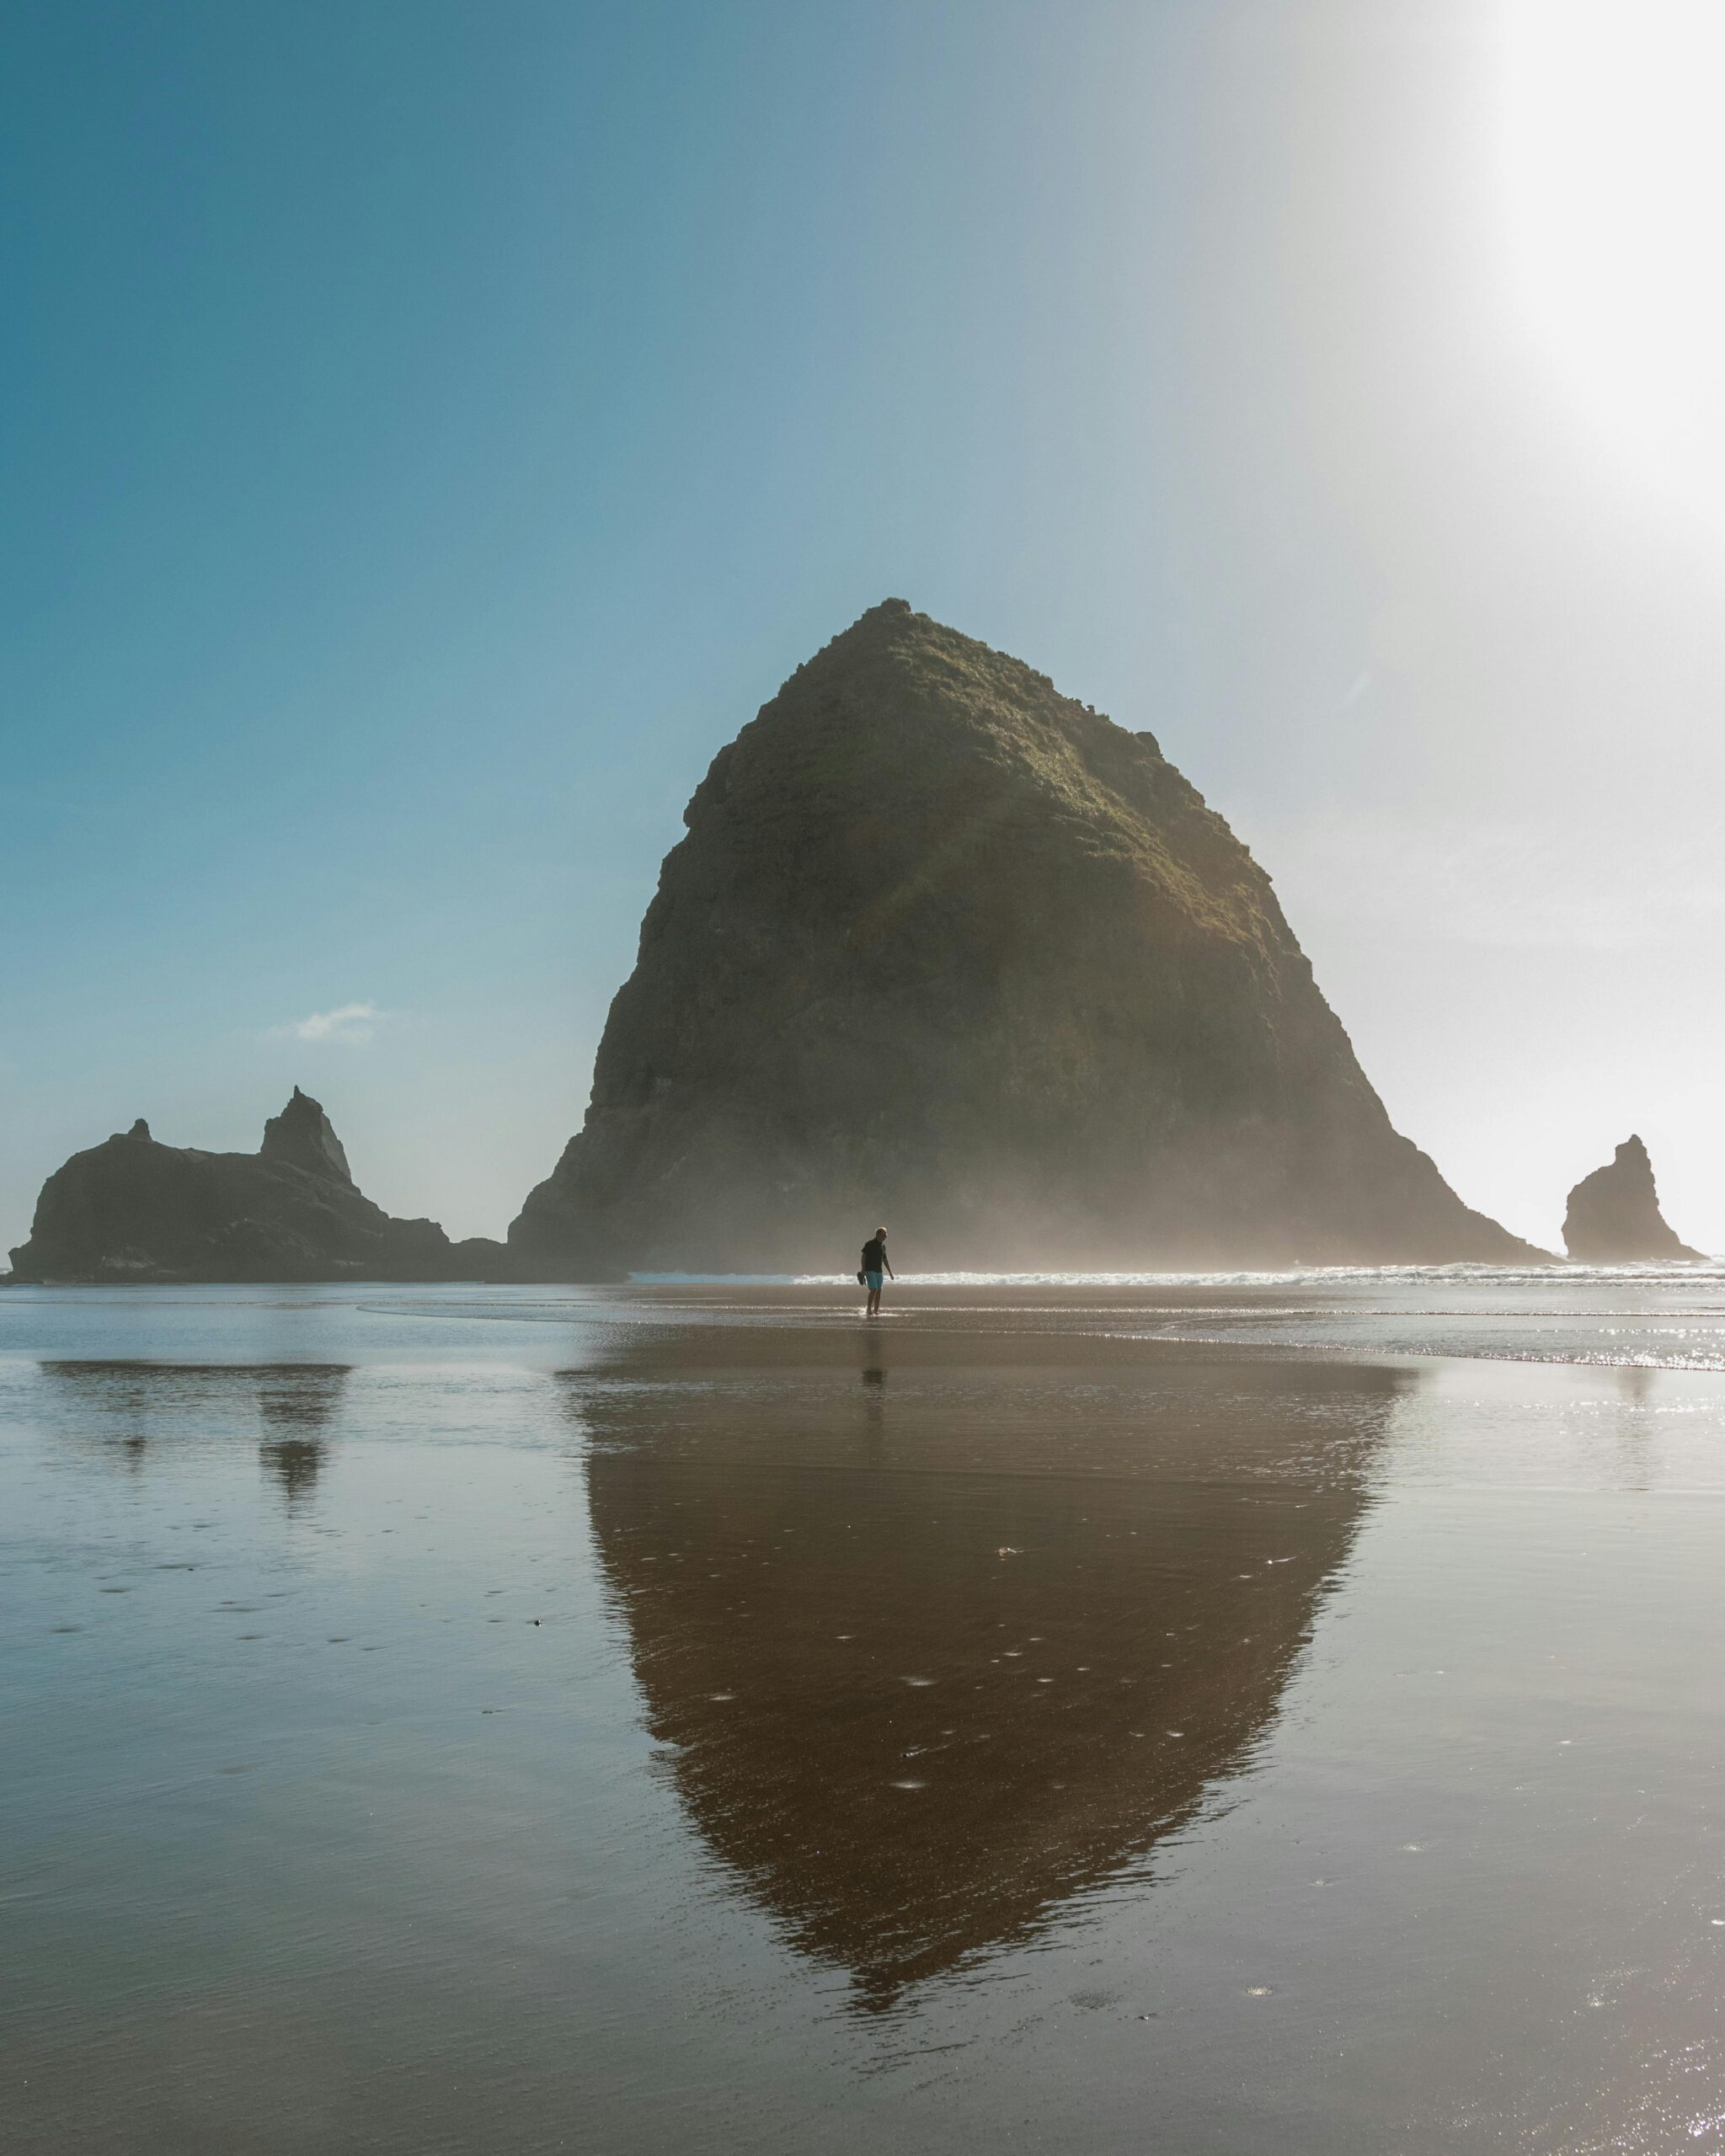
691	1719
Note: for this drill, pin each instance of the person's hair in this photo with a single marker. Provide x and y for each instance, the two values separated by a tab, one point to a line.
880	1231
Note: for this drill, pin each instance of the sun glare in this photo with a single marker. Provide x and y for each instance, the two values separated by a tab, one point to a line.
1613	156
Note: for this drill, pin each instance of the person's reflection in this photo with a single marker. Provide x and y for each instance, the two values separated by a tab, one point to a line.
924	1689
871	1346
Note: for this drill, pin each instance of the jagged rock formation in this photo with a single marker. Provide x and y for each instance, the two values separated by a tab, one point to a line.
132	1210
946	949
1613	1216
303	1136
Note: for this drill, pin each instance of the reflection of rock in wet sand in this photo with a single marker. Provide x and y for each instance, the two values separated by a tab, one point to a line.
296	1404
941	1645
178	1403
296	1463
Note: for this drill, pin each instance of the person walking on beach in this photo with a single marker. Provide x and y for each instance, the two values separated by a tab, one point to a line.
875	1266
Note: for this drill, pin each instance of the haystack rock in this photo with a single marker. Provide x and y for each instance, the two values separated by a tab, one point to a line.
943	949
132	1210
1614	1217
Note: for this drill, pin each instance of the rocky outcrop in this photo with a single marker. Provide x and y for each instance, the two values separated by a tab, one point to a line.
132	1210
304	1137
1613	1217
945	948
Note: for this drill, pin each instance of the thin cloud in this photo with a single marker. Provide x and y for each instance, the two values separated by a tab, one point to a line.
351	1022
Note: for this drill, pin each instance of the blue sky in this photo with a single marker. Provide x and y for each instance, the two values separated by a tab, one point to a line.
431	430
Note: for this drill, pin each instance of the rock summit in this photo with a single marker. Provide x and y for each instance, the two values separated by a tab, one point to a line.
303	1136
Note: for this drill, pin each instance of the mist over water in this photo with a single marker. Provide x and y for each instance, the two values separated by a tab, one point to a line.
1658	1316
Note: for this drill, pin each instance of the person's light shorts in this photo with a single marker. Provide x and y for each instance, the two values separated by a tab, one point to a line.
874	1280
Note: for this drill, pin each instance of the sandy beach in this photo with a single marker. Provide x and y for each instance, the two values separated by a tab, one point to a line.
683	1716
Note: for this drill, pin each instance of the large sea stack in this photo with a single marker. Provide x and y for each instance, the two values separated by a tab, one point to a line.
943	949
135	1210
1614	1217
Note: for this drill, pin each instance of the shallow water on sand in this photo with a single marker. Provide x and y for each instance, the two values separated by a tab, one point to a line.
1195	1715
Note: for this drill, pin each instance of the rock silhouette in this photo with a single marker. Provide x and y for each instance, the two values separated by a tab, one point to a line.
1613	1216
945	948
133	1209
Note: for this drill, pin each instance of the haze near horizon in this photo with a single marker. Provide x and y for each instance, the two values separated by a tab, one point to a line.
433	434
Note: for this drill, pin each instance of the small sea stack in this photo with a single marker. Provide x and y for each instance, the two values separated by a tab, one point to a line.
1614	1216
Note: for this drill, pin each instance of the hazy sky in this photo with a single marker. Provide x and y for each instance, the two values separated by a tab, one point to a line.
432	427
